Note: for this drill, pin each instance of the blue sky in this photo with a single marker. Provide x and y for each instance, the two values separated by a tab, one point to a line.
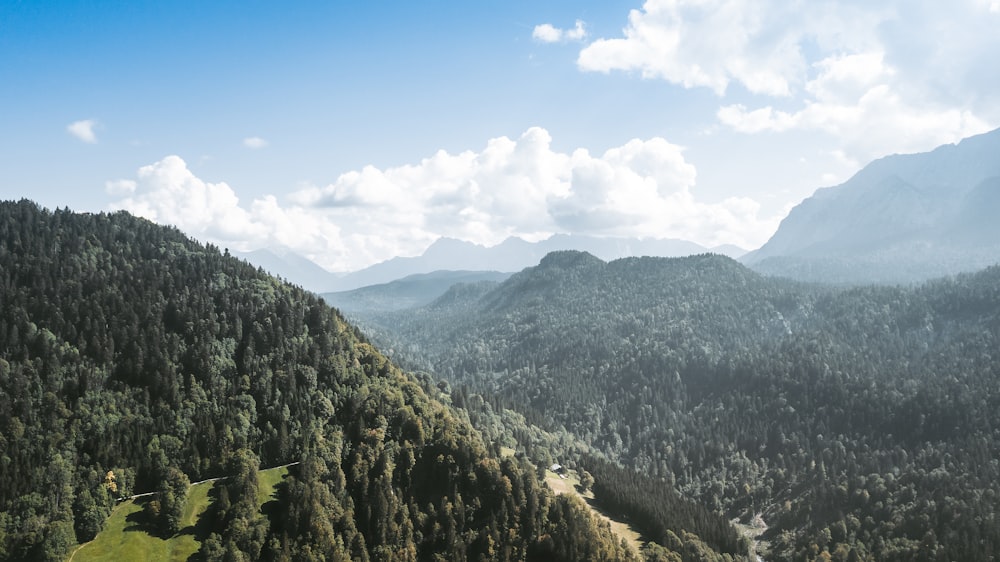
354	132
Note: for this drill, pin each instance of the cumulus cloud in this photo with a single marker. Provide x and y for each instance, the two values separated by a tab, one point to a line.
547	33
168	192
511	187
856	99
644	188
83	130
881	77
707	43
254	142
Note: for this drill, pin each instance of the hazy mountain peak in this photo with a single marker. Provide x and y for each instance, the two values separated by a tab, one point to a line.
284	262
443	246
893	220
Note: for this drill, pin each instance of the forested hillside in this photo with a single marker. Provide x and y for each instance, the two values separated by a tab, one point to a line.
133	359
863	424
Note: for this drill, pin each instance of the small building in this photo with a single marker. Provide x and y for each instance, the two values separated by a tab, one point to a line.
557	468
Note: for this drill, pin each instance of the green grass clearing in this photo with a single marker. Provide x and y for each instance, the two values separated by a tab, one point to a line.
267	482
124	537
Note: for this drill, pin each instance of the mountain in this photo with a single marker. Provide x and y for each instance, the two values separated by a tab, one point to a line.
134	359
292	267
728	250
902	218
448	254
514	254
408	292
860	423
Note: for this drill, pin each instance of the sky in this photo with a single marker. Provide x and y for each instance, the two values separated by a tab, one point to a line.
353	132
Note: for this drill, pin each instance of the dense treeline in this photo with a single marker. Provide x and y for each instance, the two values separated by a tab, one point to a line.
660	511
133	359
863	423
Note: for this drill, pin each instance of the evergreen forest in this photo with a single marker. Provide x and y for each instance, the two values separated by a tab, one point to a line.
134	359
694	397
856	423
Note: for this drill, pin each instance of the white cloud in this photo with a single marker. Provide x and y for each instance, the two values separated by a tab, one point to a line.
512	187
766	46
857	99
83	130
168	193
707	43
644	188
879	77
547	33
254	142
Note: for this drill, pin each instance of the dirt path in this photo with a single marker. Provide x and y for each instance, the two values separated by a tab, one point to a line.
568	485
78	547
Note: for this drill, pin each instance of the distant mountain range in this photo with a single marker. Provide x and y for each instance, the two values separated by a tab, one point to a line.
285	263
409	292
902	218
515	254
448	254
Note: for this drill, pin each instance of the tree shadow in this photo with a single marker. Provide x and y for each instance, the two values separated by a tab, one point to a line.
272	507
207	519
206	523
621	518
143	521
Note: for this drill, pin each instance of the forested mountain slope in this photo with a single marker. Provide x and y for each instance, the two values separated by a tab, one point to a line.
133	359
863	423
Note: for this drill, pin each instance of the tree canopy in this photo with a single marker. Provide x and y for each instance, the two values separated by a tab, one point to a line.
863	423
134	359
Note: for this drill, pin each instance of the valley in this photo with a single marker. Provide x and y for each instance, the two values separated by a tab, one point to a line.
818	407
679	402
